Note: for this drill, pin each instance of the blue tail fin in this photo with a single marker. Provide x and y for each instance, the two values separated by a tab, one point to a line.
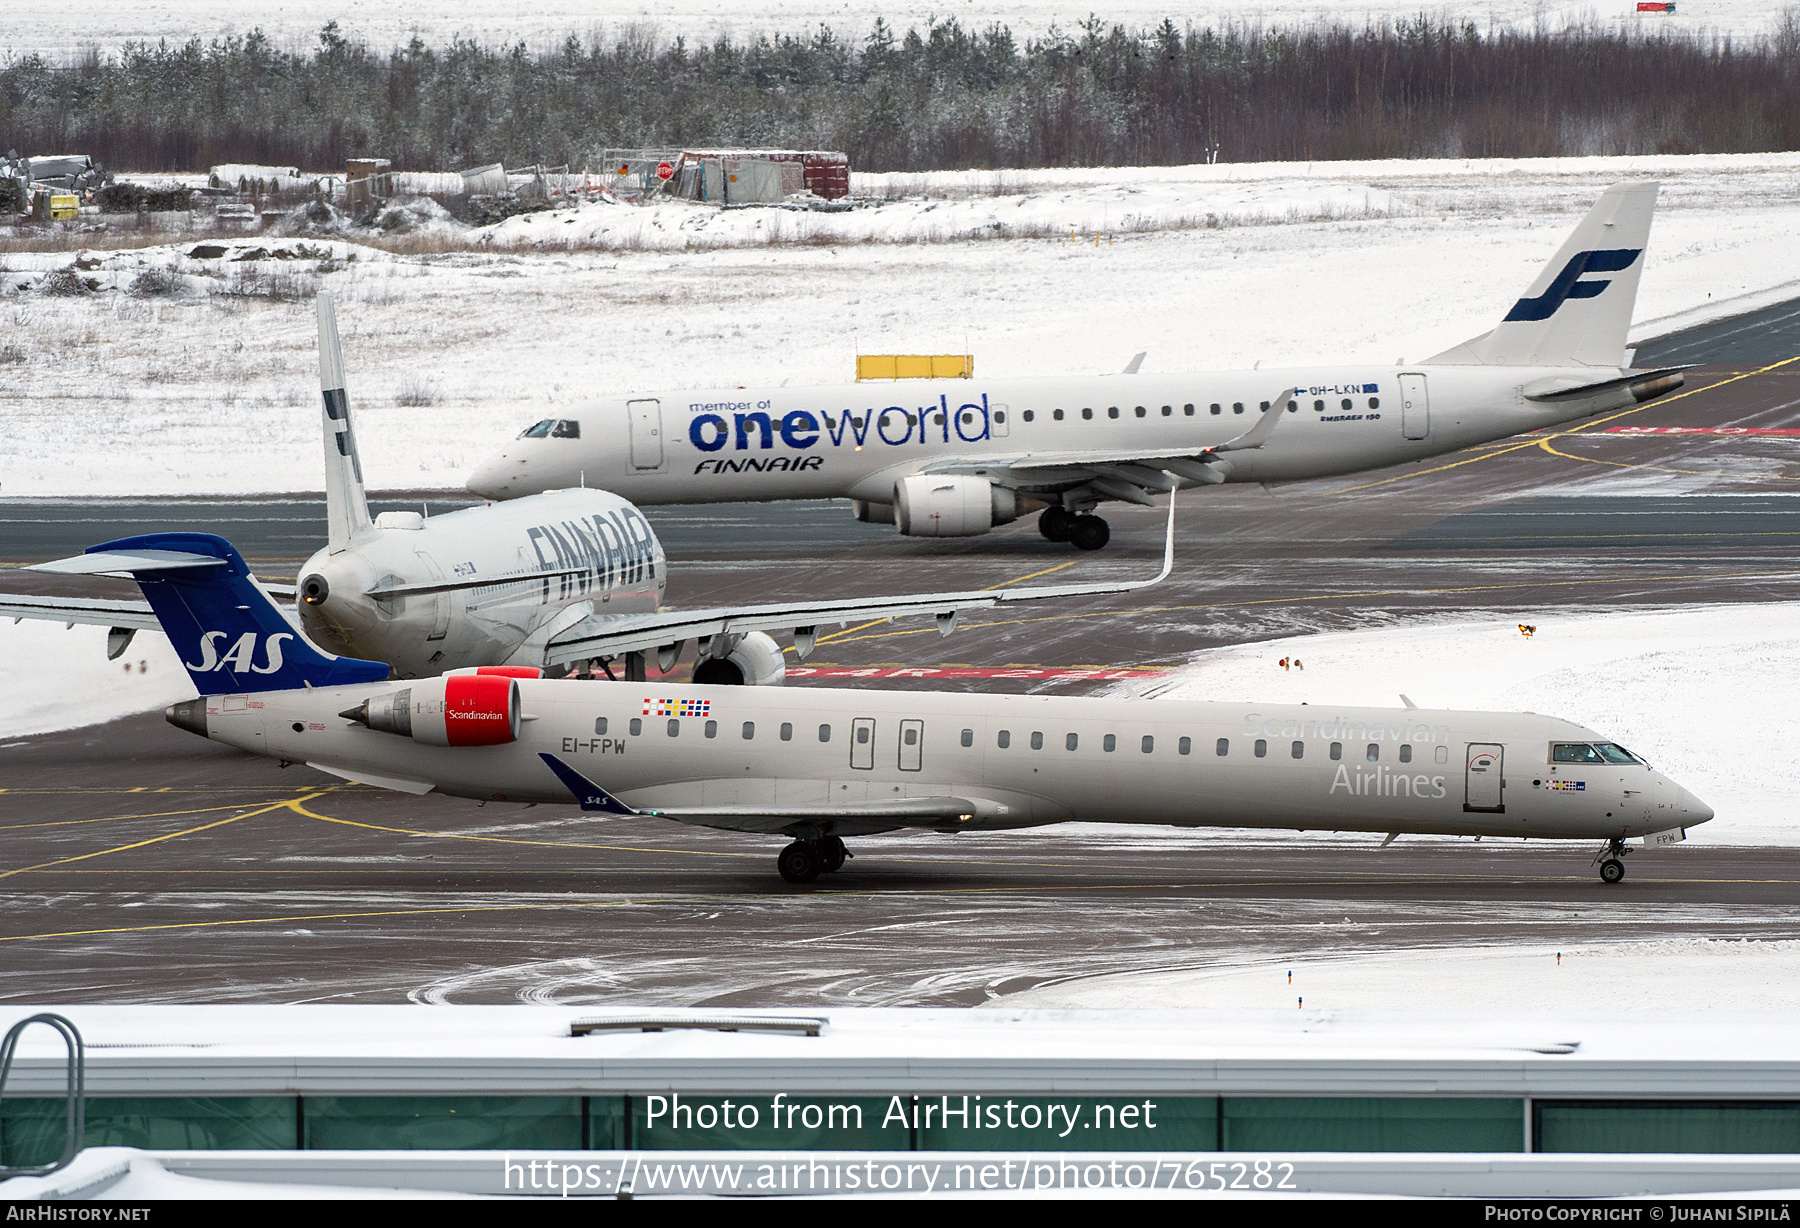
229	634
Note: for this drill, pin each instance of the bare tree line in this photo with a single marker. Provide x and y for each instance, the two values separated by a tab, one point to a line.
944	97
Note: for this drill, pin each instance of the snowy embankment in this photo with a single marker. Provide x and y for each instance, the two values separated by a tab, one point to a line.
61	679
1670	974
1702	692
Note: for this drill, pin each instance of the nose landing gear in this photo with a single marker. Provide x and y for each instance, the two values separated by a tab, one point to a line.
1612	867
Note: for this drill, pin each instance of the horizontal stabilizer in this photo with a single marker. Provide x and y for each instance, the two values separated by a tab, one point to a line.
125	562
135	615
1645	385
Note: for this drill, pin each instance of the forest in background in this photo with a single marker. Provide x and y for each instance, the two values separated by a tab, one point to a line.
945	97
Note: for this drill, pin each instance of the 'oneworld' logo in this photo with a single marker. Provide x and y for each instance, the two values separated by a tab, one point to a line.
241	657
1568	283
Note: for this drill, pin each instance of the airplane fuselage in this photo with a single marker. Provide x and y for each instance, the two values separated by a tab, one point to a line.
857	440
1023	760
614	562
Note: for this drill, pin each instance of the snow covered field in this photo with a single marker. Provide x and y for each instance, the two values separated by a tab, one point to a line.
1685	974
213	390
62	29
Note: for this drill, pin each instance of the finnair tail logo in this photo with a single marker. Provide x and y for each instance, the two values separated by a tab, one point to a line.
242	655
1568	283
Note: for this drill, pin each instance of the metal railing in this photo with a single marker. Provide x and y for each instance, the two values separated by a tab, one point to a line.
76	1127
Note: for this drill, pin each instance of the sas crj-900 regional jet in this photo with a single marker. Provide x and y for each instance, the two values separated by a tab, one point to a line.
954	458
816	764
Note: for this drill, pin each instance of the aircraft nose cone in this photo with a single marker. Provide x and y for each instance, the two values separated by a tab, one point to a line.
489	480
1699	811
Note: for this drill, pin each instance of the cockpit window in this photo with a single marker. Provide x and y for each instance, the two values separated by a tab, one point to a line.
1574	752
1612	752
567	428
538	430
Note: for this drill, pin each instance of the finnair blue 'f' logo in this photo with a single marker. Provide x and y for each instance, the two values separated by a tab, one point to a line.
1568	284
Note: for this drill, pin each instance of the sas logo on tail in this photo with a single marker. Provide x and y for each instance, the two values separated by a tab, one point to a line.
1567	284
242	655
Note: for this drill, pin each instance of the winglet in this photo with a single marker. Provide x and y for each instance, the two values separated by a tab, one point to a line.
1259	434
590	795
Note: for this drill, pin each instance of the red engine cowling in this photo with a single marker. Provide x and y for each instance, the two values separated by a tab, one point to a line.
497	671
454	710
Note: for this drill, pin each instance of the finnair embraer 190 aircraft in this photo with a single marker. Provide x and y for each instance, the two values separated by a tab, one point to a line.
954	458
817	764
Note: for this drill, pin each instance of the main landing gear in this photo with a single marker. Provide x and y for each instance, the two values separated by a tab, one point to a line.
1612	868
804	860
1086	532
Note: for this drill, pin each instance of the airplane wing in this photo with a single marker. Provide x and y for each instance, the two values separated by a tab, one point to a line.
609	635
121	614
134	614
901	812
1127	475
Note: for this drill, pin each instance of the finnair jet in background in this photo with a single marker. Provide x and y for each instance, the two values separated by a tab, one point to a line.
816	764
554	581
955	458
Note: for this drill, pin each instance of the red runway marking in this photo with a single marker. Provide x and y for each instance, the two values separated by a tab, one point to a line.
1700	430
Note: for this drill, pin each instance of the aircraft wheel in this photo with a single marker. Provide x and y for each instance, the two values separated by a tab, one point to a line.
799	862
1612	870
1056	523
1089	533
832	855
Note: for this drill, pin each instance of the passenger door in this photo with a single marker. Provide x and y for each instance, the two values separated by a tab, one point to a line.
440	602
1415	407
862	743
912	746
646	434
1482	780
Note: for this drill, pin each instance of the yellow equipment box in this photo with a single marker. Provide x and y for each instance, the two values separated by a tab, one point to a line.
64	206
915	366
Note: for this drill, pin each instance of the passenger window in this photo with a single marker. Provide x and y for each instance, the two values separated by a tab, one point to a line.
1442	755
637	726
1294	405
1087	412
600	724
674	728
1169	411
1057	415
1406	753
787	732
1337	751
1030	416
1237	407
862	735
824	733
1299	750
1374	402
1139	411
910	737
1109	743
1346	402
749	730
1215	407
1373	754
568	428
1184	746
1318	407
1574	752
1189	410
966	419
1112	411
1223	748
712	729
1004	740
968	737
1037	740
1072	741
1262	749
538	430
999	416
1149	744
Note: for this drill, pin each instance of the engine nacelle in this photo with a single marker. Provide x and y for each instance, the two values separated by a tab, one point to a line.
755	660
463	709
951	506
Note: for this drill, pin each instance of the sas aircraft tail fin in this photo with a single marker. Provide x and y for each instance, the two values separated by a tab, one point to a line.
346	506
1578	310
228	632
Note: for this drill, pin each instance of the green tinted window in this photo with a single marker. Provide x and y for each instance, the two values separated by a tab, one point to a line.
31	1131
670	1121
1668	1127
1068	1123
1359	1124
449	1123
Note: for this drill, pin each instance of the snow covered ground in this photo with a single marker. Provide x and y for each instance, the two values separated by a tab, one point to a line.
1685	974
61	679
211	389
1689	688
62	29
